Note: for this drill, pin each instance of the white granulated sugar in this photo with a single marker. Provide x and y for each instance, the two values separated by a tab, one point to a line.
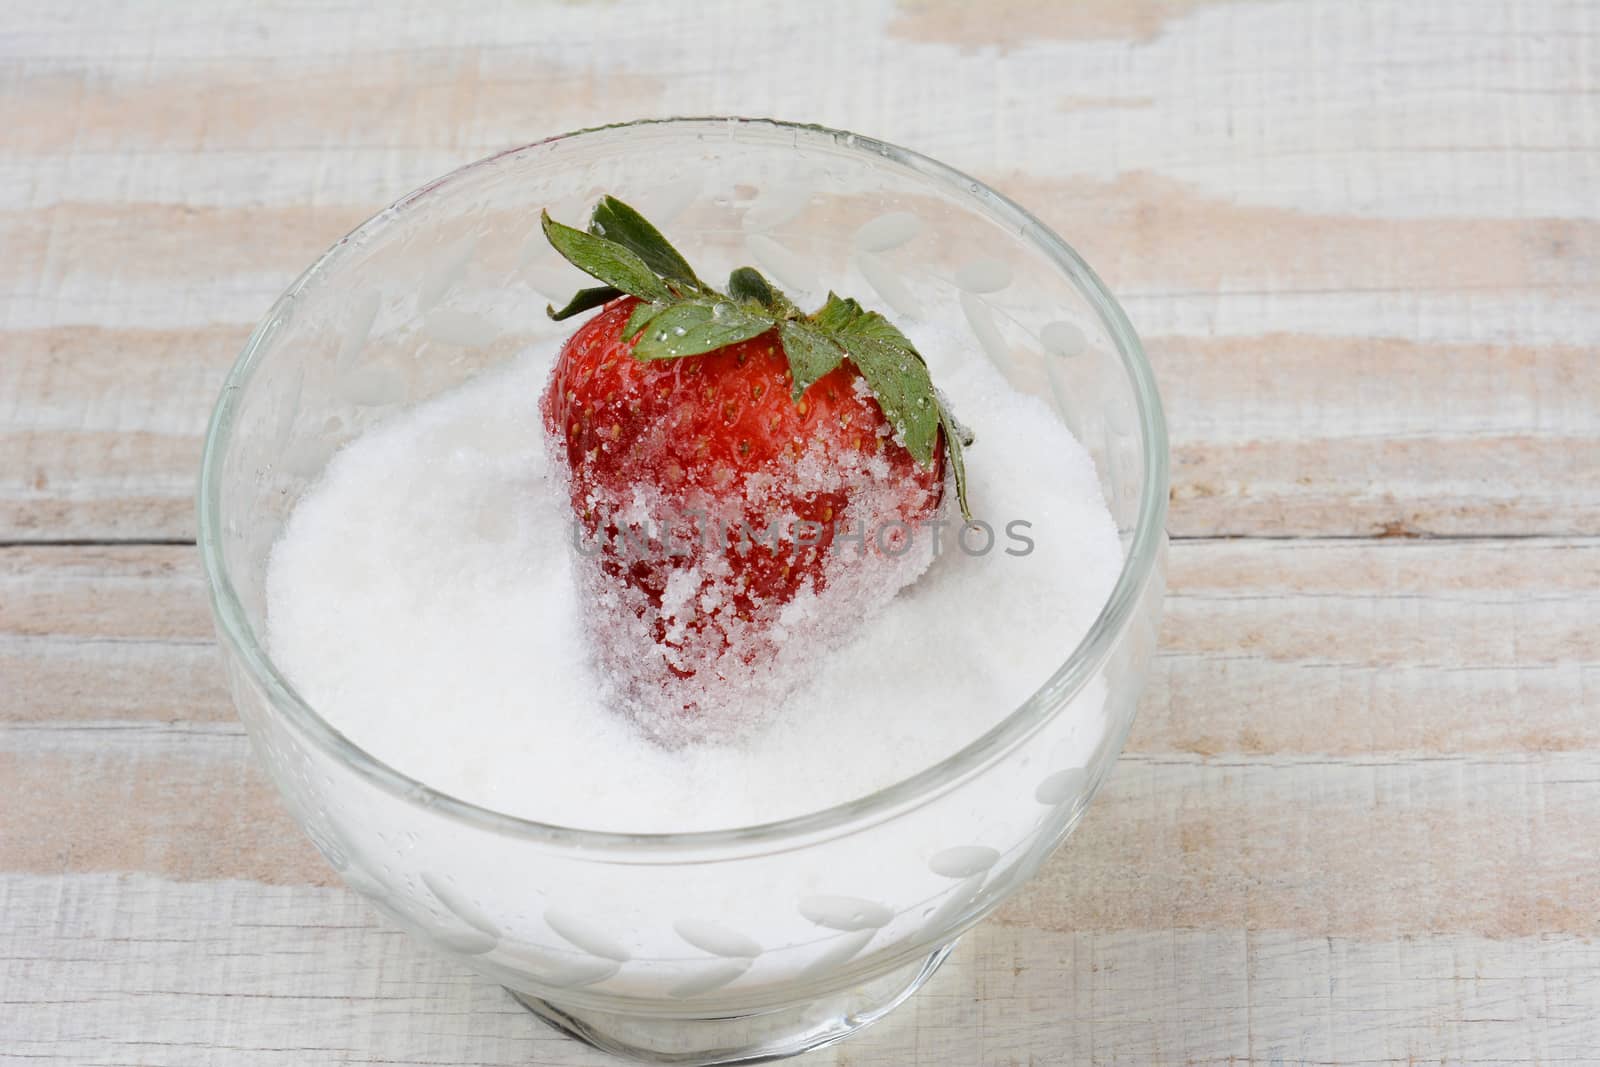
685	675
422	598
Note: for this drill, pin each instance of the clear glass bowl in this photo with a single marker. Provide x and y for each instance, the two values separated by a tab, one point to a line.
707	947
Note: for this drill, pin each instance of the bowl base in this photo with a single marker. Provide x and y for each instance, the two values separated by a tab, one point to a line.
755	1038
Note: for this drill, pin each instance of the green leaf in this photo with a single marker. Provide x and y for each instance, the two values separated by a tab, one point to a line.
583	300
897	377
642	314
837	313
899	380
611	263
811	354
747	284
679	316
872	325
962	433
956	437
620	224
698	326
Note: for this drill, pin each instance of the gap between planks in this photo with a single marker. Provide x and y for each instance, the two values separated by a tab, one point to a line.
1187	539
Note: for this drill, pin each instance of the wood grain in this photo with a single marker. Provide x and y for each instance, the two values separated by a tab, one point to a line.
135	970
1329	323
1278	436
1354	824
1318	713
1011	23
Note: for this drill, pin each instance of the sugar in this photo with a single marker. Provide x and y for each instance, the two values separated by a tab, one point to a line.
700	659
423	598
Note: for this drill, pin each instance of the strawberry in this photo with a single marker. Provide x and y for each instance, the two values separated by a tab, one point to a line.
741	474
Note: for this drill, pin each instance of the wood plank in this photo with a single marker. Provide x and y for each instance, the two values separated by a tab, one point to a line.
100	429
187	802
134	970
1369	314
1363	649
1472	108
1385	847
429	96
1151	237
107	634
1317	710
1354	823
1287	647
1276	436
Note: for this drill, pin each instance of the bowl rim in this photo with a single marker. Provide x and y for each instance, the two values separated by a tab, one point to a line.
849	816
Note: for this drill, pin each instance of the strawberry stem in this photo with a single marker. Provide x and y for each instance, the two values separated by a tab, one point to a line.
682	316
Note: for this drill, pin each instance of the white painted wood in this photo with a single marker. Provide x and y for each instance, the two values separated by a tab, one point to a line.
1383	207
134	970
1355	821
1354	824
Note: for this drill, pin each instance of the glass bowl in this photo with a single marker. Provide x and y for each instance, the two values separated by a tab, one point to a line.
731	945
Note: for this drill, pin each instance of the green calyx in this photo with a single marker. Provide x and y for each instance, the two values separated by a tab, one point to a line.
680	315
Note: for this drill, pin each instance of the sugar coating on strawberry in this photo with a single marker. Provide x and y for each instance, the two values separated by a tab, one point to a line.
747	482
710	506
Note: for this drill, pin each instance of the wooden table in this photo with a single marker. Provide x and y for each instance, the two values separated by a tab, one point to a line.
1359	818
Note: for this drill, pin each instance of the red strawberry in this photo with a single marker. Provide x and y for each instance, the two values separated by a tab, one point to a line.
740	473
